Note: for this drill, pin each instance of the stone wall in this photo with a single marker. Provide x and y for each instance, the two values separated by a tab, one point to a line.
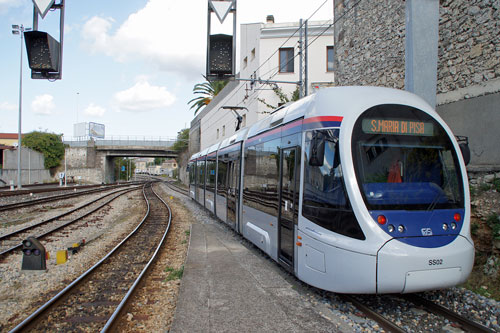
369	50
84	162
369	40
469	44
369	43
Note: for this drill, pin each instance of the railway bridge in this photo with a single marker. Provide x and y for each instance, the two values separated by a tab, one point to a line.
93	160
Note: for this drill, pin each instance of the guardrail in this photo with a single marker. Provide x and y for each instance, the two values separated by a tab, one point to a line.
124	141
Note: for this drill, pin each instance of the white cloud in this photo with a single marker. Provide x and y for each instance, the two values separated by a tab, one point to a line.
8	107
43	104
164	33
94	110
144	97
6	4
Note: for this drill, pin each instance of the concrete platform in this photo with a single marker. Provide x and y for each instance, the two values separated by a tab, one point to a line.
227	287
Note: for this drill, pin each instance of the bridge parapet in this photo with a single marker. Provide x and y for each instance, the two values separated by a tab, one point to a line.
123	142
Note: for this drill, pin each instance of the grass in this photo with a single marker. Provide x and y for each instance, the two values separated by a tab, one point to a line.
496	184
483	285
493	222
174	274
485	233
187	232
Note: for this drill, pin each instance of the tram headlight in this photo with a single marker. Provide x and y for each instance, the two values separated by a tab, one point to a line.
401	228
445	226
453	225
390	228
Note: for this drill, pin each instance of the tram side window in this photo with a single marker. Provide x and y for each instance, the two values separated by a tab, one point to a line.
222	176
201	173
262	177
210	175
191	173
325	201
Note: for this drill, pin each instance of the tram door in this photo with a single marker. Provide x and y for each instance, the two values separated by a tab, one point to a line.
233	175
288	206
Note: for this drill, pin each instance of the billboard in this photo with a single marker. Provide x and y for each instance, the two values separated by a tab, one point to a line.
80	130
96	130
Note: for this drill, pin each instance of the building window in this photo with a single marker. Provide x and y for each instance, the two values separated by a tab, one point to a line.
252	56
244	121
223	130
217	133
329	59
245	62
286	60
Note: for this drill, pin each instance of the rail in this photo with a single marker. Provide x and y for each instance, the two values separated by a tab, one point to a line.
120	256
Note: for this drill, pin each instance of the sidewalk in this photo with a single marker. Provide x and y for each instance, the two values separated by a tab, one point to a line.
227	288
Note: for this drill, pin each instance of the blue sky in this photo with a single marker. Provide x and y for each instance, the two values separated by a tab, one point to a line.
130	65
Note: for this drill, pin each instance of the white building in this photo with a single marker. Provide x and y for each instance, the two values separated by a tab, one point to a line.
268	52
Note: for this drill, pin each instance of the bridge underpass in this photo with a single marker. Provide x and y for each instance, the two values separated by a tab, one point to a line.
93	161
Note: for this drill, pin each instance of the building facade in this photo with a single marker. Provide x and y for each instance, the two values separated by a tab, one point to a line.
9	139
370	50
269	52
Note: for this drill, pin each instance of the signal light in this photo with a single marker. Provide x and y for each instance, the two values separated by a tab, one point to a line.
34	255
220	56
43	52
381	219
457	217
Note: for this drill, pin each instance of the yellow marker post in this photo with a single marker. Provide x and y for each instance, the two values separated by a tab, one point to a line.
61	257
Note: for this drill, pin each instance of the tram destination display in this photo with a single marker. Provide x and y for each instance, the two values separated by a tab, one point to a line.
397	127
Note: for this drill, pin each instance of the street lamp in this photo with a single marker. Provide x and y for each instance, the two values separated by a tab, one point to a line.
19	30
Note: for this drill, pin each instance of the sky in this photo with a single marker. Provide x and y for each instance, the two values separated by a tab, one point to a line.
130	65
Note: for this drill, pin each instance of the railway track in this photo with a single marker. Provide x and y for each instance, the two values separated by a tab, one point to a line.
375	308
94	300
177	188
29	203
41	188
12	241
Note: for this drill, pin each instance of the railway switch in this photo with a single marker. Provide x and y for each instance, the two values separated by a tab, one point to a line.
34	255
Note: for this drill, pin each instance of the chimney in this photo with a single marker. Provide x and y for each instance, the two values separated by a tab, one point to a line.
270	19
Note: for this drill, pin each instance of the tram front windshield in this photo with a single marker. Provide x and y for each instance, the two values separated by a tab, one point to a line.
404	159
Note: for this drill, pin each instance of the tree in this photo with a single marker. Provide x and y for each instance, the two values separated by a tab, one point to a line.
282	97
121	162
182	141
159	160
49	144
208	90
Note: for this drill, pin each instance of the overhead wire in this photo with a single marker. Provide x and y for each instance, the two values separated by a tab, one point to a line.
324	31
277	50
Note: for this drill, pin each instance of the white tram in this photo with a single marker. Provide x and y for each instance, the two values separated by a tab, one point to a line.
353	189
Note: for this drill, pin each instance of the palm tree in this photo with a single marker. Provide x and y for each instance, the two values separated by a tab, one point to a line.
208	90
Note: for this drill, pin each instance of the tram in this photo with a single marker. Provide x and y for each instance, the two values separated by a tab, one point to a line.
352	189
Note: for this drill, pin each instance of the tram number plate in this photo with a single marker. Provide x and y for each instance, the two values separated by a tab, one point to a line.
433	262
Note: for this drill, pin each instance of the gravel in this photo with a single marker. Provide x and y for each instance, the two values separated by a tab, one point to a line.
21	292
